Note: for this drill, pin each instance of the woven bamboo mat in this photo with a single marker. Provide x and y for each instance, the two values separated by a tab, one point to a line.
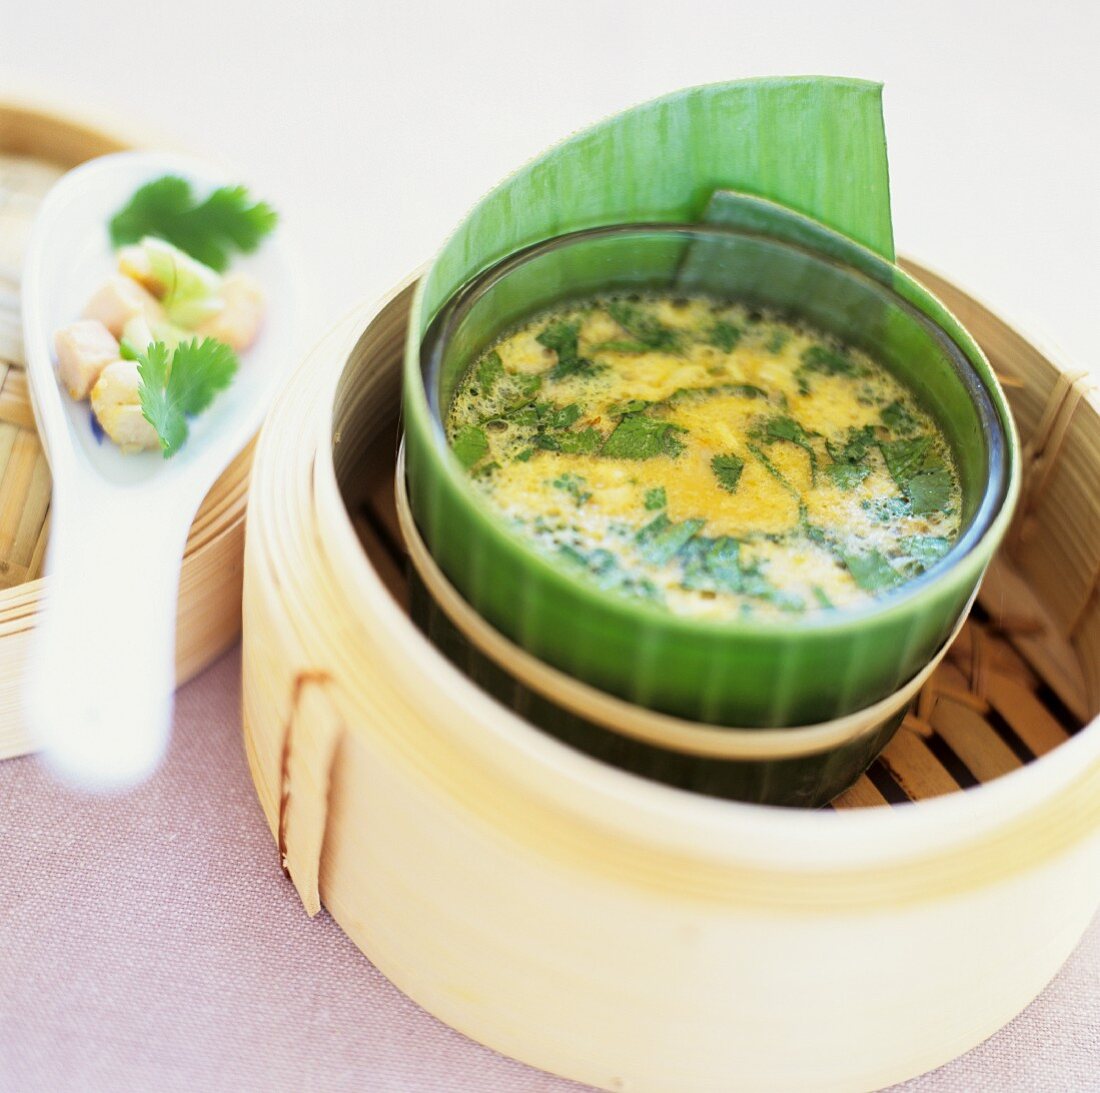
24	473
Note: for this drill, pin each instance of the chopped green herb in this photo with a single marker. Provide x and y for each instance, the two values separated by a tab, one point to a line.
561	337
528	383
660	539
602	566
898	418
713	564
727	469
643	329
822	598
573	484
561	418
209	230
847	476
870	570
656	498
920	473
886	509
683	394
724	336
786	428
773	470
620	346
470	445
489	371
829	363
905	458
640	437
776	342
857	444
925	550
583	443
631	406
177	385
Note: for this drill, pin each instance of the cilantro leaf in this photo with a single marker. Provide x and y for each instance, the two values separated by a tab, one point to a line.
640	437
562	337
157	408
656	498
489	370
930	490
470	445
718	565
572	484
847	476
898	418
724	336
925	550
583	443
643	329
660	539
870	570
786	428
178	385
727	469
561	418
773	470
602	566
528	383
920	473
885	509
904	458
209	230
631	406
829	363
618	345
742	390
776	342
857	444
713	564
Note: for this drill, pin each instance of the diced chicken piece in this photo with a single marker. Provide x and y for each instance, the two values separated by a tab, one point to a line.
84	349
117	407
119	301
238	322
134	262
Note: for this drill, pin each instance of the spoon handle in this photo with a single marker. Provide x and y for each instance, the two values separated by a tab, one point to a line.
102	674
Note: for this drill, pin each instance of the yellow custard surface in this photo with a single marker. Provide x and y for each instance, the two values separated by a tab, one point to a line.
712	459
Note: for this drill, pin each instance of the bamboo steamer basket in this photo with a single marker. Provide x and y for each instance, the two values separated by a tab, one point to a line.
37	145
634	936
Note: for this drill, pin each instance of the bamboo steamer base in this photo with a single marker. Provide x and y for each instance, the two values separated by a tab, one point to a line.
637	937
36	147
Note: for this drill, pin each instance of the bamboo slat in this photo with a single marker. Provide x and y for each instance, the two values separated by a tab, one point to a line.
36	147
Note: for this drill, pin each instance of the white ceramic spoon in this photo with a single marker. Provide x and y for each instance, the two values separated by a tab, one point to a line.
99	686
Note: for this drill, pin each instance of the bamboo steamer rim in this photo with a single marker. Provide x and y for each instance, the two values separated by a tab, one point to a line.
332	606
618	715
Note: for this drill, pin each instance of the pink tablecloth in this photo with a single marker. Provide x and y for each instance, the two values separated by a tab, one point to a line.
150	942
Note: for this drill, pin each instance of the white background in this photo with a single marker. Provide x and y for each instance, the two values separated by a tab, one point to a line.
376	125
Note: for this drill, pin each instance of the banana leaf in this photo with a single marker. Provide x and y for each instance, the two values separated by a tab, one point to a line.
813	144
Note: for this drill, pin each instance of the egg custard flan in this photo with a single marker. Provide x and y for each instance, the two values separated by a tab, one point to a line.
705	457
